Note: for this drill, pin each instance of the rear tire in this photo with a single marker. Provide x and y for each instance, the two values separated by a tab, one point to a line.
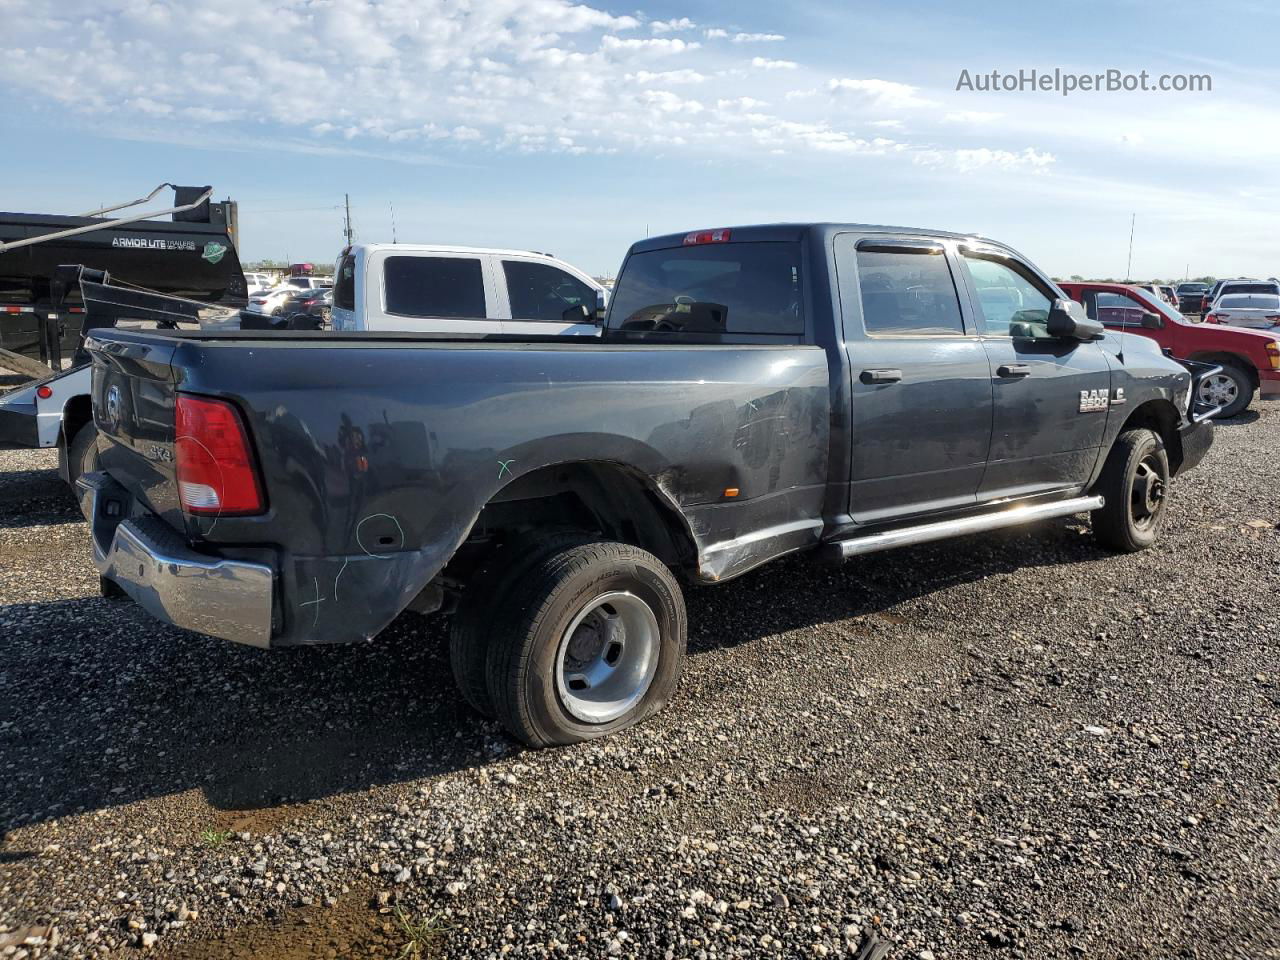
1134	481
591	641
485	596
1232	380
82	453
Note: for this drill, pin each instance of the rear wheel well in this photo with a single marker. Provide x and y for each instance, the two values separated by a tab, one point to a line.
1232	359
1162	417
77	412
605	499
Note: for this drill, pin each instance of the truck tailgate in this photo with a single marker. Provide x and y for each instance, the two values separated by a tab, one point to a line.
133	409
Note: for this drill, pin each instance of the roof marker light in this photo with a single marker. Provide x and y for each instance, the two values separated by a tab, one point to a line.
706	236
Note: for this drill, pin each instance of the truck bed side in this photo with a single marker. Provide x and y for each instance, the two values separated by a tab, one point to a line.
374	481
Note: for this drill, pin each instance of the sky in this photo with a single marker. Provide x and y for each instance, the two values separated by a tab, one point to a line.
578	128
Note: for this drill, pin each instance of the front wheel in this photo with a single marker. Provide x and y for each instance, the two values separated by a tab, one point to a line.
1231	389
1134	483
592	640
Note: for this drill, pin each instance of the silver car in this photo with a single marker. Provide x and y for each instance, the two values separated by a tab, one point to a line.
1257	310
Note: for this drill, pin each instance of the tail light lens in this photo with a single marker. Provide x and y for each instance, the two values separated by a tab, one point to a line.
216	471
1210	318
1273	354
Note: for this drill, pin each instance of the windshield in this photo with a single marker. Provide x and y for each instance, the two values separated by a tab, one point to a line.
711	288
1250	301
1249	288
1156	303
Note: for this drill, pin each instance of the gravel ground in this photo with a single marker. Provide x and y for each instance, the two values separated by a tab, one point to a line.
1005	746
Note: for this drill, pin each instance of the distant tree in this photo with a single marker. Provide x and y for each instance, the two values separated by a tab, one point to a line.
1076	278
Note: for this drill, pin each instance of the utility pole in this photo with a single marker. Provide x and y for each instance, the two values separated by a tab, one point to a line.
347	201
1128	273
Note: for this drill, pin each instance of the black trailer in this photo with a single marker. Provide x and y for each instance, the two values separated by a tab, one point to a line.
191	255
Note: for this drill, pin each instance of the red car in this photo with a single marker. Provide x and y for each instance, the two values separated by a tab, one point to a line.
1250	359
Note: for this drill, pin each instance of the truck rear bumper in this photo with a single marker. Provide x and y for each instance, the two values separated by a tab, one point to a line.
230	599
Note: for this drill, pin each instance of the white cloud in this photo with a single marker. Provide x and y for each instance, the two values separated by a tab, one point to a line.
667	76
443	81
971	116
967	160
671	26
883	94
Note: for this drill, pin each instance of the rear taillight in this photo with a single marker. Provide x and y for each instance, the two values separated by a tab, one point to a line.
1273	354
1210	318
216	473
259	302
706	236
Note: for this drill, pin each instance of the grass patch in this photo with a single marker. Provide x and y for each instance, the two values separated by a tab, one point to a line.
213	839
422	937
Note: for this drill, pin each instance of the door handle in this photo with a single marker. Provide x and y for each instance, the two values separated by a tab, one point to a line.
1014	370
881	376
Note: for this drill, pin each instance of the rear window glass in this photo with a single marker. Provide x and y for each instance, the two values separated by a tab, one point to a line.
1247	301
1249	288
908	291
434	286
711	288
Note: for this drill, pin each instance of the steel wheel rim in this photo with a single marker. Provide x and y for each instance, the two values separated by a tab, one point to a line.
1219	390
607	657
1147	494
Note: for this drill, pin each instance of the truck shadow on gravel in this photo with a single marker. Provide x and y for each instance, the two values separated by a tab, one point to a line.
101	706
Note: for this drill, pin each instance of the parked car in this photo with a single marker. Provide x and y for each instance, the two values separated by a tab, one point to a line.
1256	310
750	399
1170	295
1250	359
470	290
312	311
1245	286
271	303
1164	293
257	282
1191	296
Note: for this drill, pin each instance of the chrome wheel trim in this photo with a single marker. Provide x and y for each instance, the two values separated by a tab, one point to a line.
607	657
1219	390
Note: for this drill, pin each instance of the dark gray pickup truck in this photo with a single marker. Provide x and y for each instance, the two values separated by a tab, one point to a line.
756	391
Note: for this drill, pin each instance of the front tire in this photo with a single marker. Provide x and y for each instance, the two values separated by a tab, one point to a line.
1232	388
592	641
1134	482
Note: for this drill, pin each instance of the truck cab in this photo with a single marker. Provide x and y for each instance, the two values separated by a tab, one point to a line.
463	290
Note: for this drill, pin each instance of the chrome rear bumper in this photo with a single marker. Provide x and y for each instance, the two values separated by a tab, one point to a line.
231	599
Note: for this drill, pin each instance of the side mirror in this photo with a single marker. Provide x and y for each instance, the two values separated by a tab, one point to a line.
1152	321
602	305
578	314
1067	319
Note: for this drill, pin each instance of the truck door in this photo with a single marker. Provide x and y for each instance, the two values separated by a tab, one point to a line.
544	299
920	411
1051	394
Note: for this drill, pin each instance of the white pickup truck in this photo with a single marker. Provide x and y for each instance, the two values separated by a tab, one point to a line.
450	289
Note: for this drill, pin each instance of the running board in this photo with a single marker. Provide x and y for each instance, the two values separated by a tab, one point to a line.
944	529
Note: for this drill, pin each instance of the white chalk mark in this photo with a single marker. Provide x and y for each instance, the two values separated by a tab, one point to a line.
345	561
222	484
374	516
314	603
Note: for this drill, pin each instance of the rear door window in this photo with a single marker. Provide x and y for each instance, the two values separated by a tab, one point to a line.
539	291
434	287
907	291
714	288
344	284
